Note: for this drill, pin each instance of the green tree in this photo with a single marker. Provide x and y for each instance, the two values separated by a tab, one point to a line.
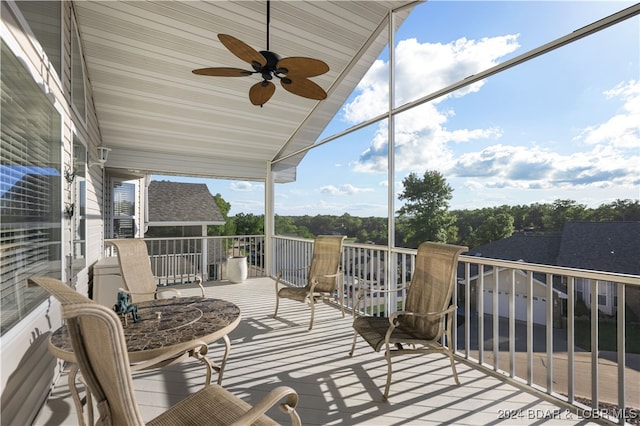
618	211
427	209
223	205
248	224
287	225
494	228
564	211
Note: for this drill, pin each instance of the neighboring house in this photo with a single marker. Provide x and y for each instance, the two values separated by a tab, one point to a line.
190	208
599	246
602	246
519	278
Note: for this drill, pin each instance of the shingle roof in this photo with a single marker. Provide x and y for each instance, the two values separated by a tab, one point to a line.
601	246
541	249
598	246
177	203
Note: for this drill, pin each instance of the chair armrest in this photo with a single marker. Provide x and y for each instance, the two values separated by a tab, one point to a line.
272	398
279	274
292	270
170	290
362	292
199	282
393	317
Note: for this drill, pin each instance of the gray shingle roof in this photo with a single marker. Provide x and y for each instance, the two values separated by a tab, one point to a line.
601	246
177	203
598	246
541	249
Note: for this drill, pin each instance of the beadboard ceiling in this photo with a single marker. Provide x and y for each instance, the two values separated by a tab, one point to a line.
158	117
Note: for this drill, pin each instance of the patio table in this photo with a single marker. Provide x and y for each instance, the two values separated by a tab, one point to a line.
165	324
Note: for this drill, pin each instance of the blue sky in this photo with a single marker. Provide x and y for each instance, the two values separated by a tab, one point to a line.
562	126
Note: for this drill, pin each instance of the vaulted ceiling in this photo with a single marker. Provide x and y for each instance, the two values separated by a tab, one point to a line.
158	117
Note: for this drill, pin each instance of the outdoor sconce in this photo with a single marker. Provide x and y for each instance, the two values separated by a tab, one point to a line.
103	154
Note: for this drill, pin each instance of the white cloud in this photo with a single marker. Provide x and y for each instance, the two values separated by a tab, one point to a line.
244	186
623	129
611	159
521	167
421	135
421	142
424	141
423	68
346	189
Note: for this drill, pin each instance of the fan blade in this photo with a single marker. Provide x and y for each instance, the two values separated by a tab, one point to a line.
242	50
261	92
305	88
303	67
222	72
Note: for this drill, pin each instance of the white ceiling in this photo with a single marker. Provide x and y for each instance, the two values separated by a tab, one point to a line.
158	117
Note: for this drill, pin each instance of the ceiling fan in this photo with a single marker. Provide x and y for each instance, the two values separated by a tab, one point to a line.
293	72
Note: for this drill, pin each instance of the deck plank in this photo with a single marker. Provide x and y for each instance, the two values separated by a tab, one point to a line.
333	387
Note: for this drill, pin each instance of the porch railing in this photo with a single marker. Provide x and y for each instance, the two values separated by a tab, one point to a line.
178	260
545	332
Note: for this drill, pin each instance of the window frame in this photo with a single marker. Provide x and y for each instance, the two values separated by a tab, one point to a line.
80	110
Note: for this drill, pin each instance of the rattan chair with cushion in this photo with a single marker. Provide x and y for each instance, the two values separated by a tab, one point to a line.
135	268
324	278
427	314
98	342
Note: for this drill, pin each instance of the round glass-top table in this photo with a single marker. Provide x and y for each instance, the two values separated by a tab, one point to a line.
165	326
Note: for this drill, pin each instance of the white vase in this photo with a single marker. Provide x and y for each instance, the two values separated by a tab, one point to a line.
237	270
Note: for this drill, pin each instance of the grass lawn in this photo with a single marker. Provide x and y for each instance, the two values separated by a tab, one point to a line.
607	336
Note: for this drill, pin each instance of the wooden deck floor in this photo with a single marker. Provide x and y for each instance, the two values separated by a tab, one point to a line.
333	387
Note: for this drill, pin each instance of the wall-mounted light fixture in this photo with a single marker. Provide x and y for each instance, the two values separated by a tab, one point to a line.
103	154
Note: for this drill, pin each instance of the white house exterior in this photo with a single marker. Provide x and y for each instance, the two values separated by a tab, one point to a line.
520	281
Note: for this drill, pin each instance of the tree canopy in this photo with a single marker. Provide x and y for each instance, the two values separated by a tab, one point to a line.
425	216
426	211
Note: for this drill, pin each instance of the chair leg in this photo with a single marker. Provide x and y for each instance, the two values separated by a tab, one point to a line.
353	345
313	311
71	380
387	355
453	367
275	314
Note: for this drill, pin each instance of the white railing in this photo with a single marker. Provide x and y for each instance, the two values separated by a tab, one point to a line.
178	260
529	337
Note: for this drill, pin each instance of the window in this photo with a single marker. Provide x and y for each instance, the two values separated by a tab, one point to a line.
78	99
603	286
79	207
602	299
124	210
30	190
44	19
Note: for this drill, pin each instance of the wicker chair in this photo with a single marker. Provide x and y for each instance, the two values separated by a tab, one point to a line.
135	268
66	295
419	328
98	342
323	277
